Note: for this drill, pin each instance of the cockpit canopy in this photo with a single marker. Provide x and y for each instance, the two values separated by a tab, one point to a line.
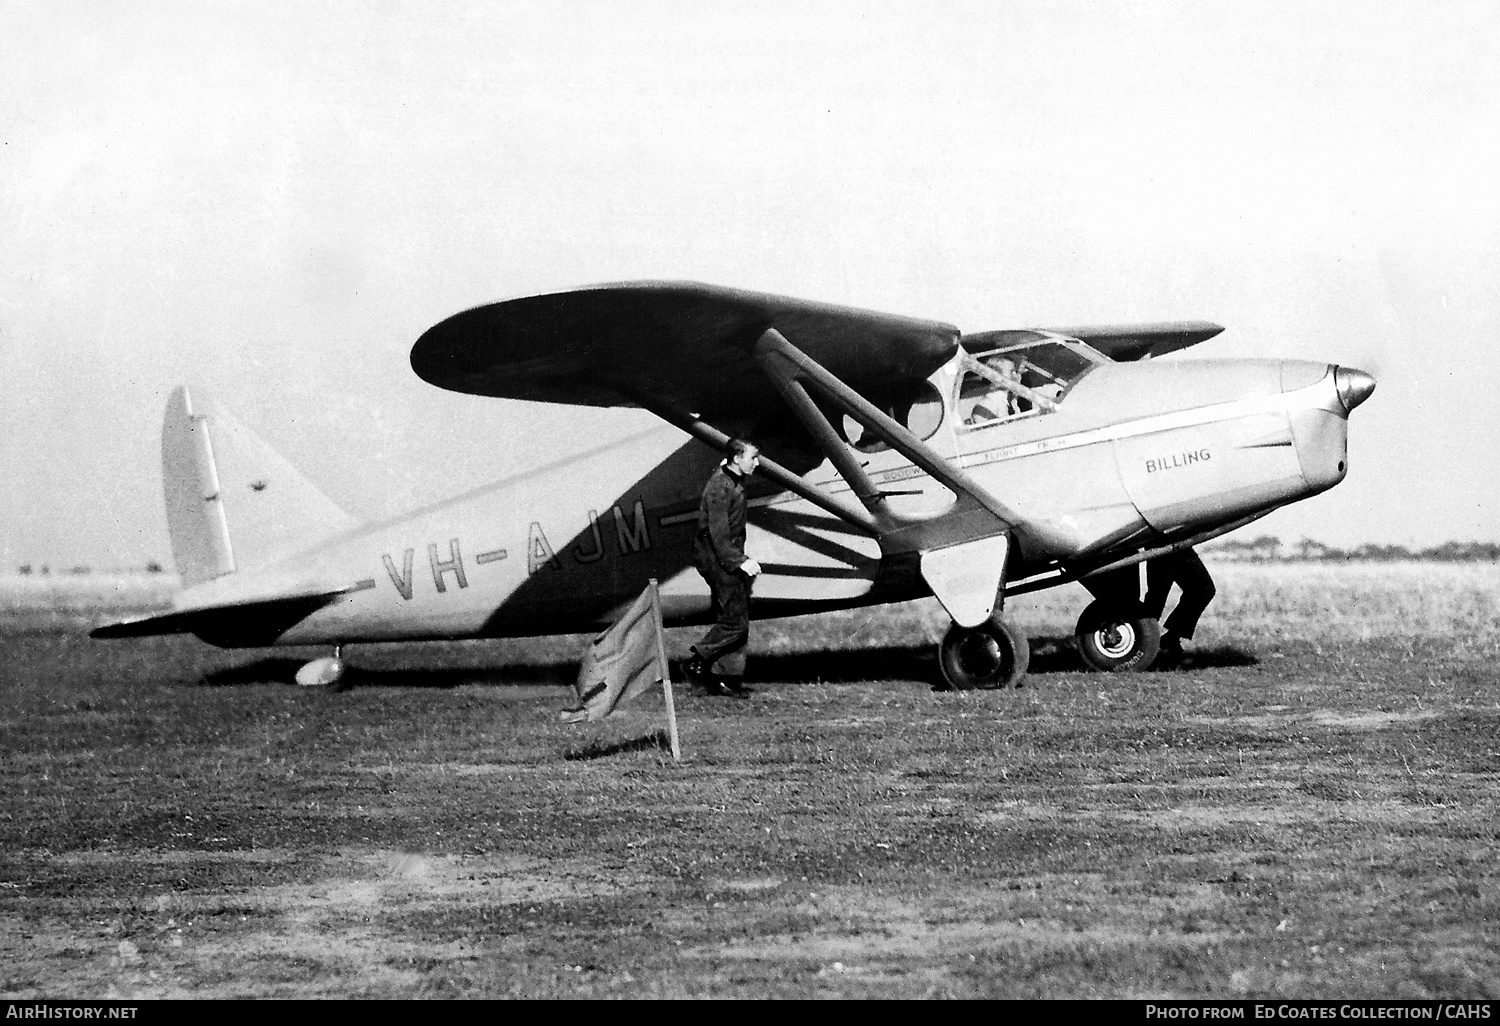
1002	377
1001	382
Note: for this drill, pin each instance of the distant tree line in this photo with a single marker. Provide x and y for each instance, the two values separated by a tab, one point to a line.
27	569
1270	549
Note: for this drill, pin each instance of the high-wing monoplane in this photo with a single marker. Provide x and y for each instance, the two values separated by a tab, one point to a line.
901	458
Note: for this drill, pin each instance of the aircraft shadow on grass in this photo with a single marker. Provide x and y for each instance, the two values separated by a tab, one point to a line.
1218	657
1059	655
892	662
919	662
273	670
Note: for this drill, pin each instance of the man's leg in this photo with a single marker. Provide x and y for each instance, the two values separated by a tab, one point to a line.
1197	592
722	650
1160	573
697	670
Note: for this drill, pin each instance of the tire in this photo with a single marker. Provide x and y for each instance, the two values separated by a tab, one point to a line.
327	672
1117	638
993	655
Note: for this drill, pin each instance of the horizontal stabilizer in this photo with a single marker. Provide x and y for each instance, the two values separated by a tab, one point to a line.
246	623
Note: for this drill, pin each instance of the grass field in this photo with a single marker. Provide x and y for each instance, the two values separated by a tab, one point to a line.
1308	809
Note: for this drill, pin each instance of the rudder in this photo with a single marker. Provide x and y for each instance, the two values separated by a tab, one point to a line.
233	502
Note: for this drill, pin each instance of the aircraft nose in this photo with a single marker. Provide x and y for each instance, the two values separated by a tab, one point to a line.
1353	386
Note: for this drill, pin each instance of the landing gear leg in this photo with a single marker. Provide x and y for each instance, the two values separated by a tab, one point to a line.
1117	636
323	673
993	655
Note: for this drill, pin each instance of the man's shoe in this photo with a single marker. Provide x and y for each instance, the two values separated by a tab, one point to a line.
1168	653
715	688
736	686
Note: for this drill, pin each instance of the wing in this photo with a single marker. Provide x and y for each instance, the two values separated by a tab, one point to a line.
684	340
1120	342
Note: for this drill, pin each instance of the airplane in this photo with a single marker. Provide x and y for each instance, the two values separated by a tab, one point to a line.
901	458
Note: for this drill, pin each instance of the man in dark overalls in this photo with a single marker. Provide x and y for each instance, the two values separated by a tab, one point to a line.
718	663
1187	571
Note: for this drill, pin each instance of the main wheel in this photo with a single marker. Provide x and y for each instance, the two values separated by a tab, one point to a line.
992	655
1117	638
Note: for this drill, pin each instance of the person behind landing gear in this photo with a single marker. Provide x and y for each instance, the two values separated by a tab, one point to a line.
718	662
1187	571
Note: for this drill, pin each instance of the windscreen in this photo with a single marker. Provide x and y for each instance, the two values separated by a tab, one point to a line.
1030	379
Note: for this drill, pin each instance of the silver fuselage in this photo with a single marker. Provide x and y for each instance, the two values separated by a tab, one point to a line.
1134	455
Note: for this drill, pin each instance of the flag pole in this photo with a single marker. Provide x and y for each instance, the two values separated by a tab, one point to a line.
666	672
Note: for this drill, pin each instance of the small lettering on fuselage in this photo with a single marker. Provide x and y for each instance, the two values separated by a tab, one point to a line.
539	550
595	548
1176	460
402	580
454	563
632	535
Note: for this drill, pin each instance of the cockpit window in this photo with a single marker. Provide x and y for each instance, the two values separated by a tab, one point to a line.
1002	384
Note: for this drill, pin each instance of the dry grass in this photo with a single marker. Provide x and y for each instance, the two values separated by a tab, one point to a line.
1308	810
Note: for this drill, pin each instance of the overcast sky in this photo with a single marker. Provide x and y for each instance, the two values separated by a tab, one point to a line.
273	200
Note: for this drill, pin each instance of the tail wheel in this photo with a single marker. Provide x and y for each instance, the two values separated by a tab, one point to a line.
322	673
993	655
1117	638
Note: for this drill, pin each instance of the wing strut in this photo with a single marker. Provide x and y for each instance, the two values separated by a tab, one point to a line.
961	553
716	439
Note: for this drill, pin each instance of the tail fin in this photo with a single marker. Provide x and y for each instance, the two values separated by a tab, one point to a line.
233	503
